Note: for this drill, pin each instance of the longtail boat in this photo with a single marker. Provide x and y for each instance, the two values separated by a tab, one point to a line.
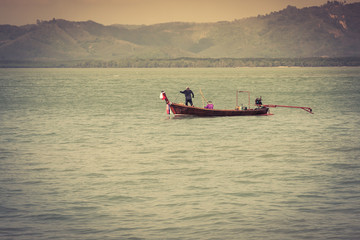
178	108
259	110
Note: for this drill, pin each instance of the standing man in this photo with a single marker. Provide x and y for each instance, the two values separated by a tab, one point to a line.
188	93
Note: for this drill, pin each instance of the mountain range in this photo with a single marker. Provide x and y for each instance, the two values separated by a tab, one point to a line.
330	30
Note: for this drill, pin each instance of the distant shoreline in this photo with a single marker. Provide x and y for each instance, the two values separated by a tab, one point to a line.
188	63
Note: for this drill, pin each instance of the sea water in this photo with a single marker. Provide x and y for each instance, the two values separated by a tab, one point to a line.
92	154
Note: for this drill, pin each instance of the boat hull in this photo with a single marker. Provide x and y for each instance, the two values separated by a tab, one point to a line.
203	112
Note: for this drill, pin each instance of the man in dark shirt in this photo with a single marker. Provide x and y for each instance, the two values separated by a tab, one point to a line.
188	93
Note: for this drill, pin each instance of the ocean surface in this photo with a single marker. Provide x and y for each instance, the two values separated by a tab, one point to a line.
92	154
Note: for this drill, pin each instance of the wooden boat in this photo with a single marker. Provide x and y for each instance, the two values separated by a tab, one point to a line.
203	112
177	108
181	109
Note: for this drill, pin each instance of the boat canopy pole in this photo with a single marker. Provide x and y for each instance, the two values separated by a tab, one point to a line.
237	98
309	110
203	98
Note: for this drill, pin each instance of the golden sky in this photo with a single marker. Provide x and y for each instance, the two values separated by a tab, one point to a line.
107	12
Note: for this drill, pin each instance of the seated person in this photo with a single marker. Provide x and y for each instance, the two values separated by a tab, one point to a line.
209	105
258	102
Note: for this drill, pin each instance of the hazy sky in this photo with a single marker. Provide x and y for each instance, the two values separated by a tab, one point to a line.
107	12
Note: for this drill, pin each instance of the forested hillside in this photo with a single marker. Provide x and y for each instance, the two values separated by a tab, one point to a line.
331	30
